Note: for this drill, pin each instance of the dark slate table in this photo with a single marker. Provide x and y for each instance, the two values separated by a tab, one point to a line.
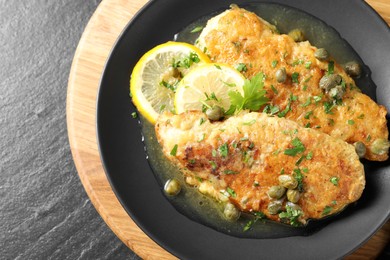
44	210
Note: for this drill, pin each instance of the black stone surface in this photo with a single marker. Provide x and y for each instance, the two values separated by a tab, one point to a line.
44	210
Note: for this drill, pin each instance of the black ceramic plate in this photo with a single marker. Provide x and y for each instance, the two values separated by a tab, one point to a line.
128	171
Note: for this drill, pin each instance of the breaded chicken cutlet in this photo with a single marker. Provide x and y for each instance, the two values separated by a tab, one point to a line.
263	163
315	93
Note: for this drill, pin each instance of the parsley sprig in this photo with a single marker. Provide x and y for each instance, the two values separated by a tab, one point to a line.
253	98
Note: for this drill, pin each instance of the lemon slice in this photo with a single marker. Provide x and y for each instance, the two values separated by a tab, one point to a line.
156	75
206	86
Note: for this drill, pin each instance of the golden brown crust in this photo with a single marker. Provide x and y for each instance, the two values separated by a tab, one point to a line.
246	154
238	36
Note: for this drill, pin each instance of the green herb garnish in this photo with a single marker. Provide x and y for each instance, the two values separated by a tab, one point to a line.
197	29
224	150
291	215
254	95
308	102
298	176
335	181
294	77
326	210
298	147
231	192
174	150
168	86
328	106
274	89
241	67
228	172
330	67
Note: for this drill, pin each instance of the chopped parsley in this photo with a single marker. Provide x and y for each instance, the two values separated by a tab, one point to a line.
271	110
231	192
197	29
335	181
294	77
308	102
250	122
308	64
228	172
297	62
201	138
308	114
298	176
274	63
298	147
308	79
291	215
298	162
202	120
134	115
274	89
317	99
241	67
224	150
330	67
258	216
168	86
328	106
174	150
187	62
213	165
351	122
327	210
309	156
285	110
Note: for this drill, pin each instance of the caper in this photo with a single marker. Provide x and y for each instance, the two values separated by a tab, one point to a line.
297	35
293	195
231	212
281	75
353	69
380	146
215	113
274	207
328	82
288	181
276	192
360	149
321	54
337	92
172	187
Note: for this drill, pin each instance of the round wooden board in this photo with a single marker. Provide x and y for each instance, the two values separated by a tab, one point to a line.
95	45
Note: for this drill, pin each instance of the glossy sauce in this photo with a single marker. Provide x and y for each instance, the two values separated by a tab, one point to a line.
207	211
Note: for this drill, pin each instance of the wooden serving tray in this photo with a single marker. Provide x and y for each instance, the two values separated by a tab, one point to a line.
96	42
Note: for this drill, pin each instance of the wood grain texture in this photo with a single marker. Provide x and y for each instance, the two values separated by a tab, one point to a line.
97	40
